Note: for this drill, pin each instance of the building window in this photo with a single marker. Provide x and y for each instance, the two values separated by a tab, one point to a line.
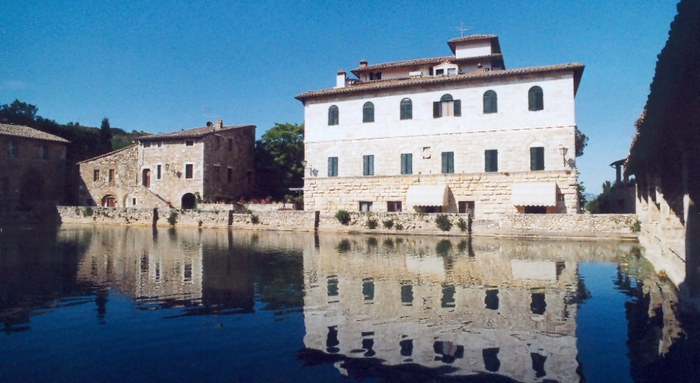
447	106
146	144
159	144
333	117
406	109
368	112
96	175
111	175
133	202
490	102
229	174
466	207
12	149
535	98
365	206
491	160
393	206
448	162
158	172
332	166
537	158
368	165
43	152
189	170
375	76
217	173
146	178
406	163
189	142
230	144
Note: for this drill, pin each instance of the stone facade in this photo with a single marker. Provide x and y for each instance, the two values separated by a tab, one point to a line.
464	121
173	169
32	171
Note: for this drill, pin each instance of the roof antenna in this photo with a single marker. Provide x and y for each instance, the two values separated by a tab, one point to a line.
461	28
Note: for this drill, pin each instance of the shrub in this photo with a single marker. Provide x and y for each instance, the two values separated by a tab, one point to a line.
343	217
443	222
371	223
462	224
87	212
636	226
388	224
399	226
254	219
172	219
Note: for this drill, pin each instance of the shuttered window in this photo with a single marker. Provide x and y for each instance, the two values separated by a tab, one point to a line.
490	102
447	106
448	162
368	112
333	117
406	109
332	166
368	165
537	158
535	98
406	163
491	160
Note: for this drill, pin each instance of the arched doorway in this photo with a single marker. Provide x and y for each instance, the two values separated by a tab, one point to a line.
109	201
188	201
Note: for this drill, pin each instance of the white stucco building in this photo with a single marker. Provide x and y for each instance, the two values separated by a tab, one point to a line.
459	133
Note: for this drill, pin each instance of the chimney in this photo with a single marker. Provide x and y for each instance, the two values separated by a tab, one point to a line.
363	63
219	124
340	79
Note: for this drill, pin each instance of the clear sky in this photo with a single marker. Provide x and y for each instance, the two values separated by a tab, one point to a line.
161	66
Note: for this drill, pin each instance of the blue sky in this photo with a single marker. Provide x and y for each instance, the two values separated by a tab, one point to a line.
160	66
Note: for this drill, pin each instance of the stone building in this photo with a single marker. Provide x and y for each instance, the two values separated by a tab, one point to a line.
455	134
665	158
32	170
212	163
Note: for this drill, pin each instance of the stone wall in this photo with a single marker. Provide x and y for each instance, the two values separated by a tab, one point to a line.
519	225
490	192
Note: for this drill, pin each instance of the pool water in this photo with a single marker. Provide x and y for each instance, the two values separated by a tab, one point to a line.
115	304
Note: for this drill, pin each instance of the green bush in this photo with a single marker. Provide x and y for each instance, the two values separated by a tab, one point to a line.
172	219
462	224
399	226
388	224
254	219
443	222
636	226
87	212
371	223
343	217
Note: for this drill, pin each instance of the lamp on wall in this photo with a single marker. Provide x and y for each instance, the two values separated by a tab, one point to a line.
563	150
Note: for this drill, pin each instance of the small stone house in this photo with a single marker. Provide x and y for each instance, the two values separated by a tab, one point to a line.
458	133
211	163
32	170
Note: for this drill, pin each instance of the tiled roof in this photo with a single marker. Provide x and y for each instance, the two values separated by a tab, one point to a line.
27	132
471	38
132	146
190	133
424	61
460	78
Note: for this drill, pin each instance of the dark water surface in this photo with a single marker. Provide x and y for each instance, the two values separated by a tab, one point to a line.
124	304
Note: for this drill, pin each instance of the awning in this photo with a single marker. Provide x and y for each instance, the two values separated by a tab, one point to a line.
426	195
534	194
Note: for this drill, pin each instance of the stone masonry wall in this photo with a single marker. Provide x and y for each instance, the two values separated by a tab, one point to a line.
490	192
517	225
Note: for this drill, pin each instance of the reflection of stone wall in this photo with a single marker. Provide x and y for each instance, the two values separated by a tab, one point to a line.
474	306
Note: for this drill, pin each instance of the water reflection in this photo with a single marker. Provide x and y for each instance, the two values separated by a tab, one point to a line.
394	308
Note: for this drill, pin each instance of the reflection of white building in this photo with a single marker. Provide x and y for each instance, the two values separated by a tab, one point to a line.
437	306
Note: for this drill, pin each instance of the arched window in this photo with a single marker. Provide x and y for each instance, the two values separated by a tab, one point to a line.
406	109
333	115
535	98
368	112
447	106
490	102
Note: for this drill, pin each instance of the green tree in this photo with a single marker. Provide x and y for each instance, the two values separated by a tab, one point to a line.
279	154
18	113
105	136
581	142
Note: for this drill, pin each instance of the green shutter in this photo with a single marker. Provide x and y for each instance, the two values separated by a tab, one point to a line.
436	109
537	158
368	112
458	107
